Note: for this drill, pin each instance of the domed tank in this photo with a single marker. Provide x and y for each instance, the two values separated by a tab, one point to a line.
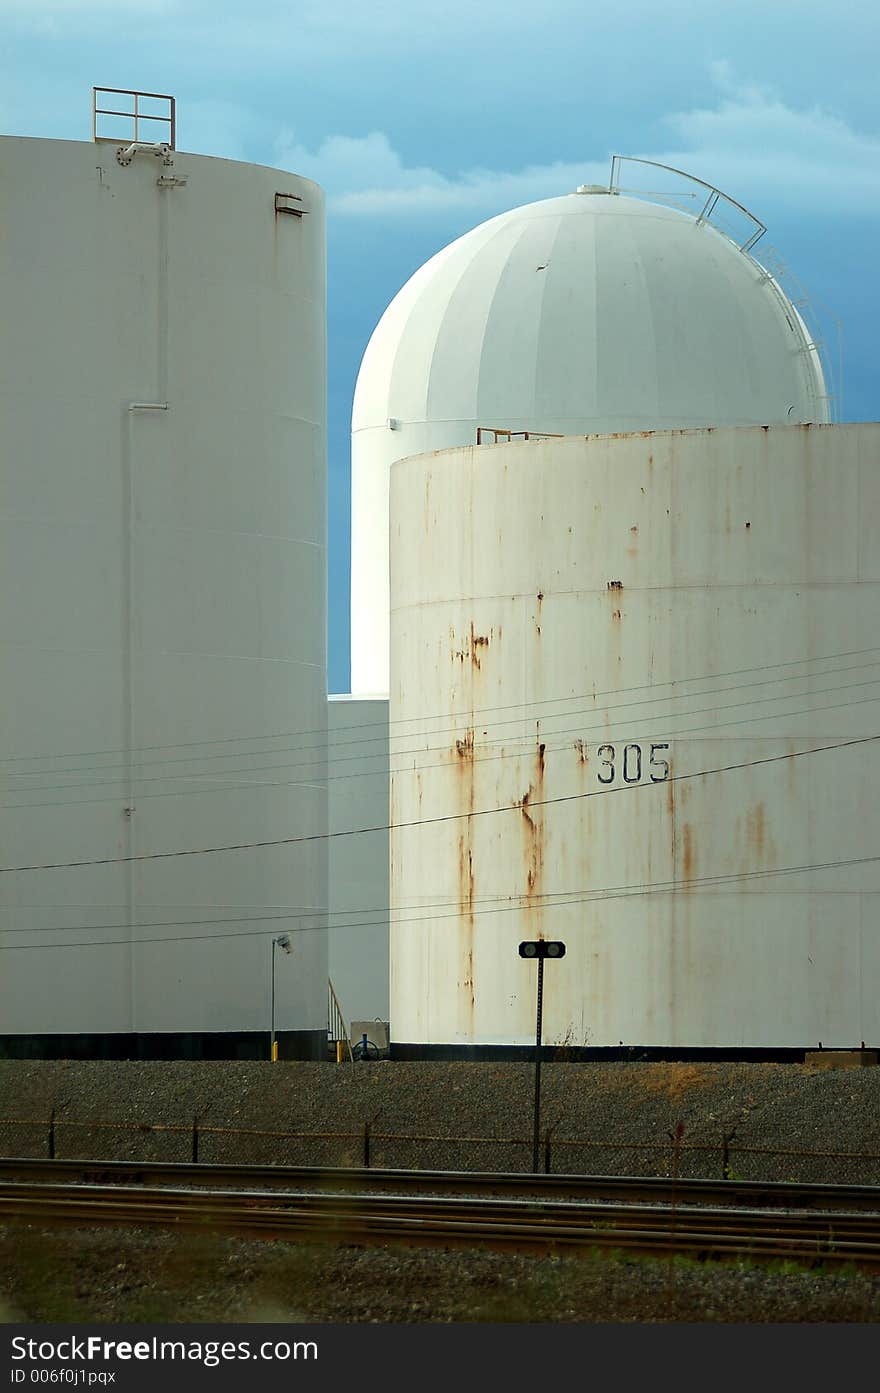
590	313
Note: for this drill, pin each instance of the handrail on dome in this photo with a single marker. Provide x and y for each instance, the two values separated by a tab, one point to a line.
713	197
714	205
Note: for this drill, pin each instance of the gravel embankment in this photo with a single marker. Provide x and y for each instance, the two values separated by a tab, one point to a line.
109	1275
618	1107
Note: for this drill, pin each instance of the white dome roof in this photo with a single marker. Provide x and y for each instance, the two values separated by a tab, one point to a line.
585	314
590	313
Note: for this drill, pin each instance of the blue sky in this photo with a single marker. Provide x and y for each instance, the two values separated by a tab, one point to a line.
422	119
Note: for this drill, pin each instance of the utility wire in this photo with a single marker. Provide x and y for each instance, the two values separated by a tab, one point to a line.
125	766
513	720
430	821
508	741
382	726
574	898
552	899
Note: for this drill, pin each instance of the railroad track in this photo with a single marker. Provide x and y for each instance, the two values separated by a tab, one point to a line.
529	1224
752	1194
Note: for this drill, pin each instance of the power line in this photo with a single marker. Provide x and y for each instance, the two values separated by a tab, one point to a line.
522	900
383	725
424	822
125	766
246	783
572	897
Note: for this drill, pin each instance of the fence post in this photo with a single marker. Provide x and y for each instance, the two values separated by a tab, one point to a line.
366	1145
195	1139
547	1151
725	1154
675	1138
52	1135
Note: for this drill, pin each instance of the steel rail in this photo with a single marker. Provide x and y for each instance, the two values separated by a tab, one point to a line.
829	1239
649	1189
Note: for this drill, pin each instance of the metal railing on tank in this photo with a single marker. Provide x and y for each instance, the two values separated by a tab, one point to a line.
501	434
148	124
707	204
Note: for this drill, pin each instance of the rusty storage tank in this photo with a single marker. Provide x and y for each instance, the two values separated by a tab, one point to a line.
163	444
639	676
589	313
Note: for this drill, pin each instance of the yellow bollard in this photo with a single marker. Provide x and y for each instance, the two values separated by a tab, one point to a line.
274	1049
338	1051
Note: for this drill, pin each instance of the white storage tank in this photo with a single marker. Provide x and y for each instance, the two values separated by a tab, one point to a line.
588	313
162	603
645	673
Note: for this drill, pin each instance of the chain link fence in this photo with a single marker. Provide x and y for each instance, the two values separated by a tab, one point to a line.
368	1145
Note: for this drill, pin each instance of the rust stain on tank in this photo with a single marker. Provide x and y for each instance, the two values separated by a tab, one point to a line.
466	876
464	747
533	827
756	830
471	650
466	902
534	845
670	810
478	641
581	751
615	585
464	763
689	852
523	806
759	842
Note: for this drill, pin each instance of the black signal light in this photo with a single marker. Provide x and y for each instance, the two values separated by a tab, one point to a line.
542	948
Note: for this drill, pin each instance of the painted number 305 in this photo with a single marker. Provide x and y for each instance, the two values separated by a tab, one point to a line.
631	761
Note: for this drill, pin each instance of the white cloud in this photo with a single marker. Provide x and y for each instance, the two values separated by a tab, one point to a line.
807	152
365	175
750	144
355	164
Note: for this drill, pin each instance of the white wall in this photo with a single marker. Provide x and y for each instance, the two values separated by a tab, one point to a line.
357	769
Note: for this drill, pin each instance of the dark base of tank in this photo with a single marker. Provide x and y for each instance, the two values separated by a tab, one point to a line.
617	1054
292	1044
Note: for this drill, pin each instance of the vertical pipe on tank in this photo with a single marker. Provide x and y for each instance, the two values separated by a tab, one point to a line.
127	691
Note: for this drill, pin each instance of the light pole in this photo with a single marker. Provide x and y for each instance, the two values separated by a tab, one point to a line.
282	941
540	949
